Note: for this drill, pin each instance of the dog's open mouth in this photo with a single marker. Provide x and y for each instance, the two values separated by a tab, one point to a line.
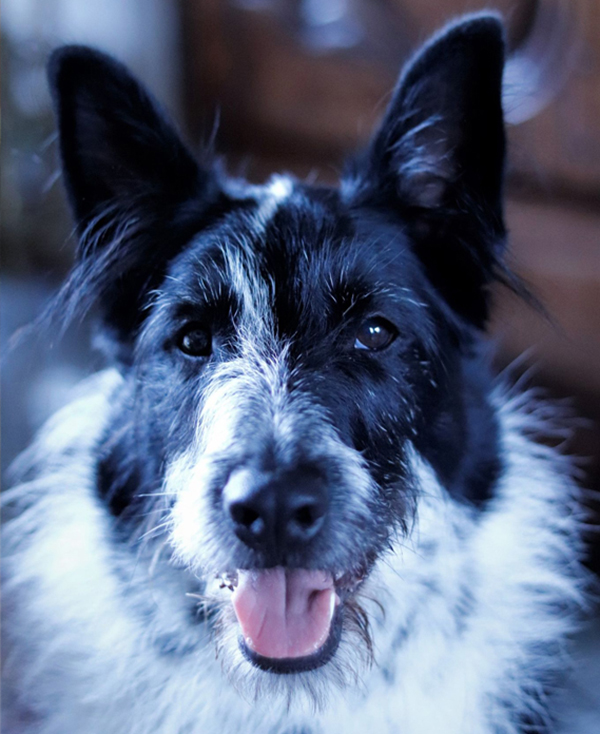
290	619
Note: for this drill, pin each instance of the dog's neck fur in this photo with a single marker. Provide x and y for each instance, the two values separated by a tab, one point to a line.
463	610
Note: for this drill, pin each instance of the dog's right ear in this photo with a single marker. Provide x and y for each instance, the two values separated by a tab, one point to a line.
134	188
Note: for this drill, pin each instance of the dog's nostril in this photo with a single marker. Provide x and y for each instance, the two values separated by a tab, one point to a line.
306	516
305	521
247	516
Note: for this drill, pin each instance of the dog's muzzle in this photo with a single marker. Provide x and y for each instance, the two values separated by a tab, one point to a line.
289	618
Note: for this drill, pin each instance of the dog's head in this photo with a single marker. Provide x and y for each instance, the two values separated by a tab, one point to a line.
288	349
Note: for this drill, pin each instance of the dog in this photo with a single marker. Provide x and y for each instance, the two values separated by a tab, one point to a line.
296	500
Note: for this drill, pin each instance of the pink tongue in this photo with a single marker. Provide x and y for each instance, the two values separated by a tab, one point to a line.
284	613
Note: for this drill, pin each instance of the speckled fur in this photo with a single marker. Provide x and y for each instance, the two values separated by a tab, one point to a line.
471	613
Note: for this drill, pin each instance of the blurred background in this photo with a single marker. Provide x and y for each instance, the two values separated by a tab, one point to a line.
297	85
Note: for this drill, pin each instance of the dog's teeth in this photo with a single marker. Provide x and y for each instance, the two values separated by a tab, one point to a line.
227	580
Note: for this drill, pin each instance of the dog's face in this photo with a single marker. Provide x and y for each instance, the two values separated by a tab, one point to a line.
288	348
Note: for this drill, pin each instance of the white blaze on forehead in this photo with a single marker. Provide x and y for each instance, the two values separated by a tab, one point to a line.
241	260
274	192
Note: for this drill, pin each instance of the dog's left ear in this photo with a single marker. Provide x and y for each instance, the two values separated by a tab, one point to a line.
437	161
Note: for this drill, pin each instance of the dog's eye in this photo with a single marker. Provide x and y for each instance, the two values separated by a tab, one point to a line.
375	334
195	341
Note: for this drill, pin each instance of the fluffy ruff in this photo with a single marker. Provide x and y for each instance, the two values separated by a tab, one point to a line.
468	614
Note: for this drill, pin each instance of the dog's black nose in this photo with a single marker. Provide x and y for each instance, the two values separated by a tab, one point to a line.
276	511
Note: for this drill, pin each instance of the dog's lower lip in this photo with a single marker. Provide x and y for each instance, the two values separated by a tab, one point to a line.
287	666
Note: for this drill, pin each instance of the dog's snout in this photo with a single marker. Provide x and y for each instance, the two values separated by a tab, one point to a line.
275	511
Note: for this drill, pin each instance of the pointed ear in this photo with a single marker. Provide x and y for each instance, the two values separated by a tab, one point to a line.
114	141
437	160
136	192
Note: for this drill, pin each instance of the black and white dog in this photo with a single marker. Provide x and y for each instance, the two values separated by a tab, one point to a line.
297	502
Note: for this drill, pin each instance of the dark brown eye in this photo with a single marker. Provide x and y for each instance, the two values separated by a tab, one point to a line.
375	334
195	341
